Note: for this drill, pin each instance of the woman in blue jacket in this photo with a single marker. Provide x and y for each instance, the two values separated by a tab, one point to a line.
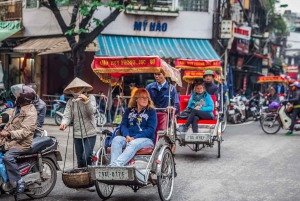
202	107
137	128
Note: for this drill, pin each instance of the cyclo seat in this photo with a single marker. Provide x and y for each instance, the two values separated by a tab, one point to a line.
39	144
162	124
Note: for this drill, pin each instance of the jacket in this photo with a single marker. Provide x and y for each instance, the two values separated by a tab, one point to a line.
21	128
139	129
87	126
160	97
274	98
209	104
40	107
211	88
296	98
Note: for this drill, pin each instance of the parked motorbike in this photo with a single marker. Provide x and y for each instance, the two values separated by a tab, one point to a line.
237	108
38	166
59	111
279	119
252	107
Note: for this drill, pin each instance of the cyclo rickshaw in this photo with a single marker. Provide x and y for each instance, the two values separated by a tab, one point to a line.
264	110
149	165
210	131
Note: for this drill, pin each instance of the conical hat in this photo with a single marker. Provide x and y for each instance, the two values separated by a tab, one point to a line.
78	83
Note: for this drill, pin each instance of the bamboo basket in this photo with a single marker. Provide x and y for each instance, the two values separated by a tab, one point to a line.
77	180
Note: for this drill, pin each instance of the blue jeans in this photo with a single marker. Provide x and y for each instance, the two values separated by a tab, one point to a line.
84	157
119	142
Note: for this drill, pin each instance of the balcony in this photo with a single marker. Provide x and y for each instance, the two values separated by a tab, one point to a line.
11	10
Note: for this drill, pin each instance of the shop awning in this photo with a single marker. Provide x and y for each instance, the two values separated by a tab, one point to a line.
163	47
9	28
50	46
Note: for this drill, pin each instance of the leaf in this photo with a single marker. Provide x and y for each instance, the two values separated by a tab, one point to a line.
70	32
98	22
80	31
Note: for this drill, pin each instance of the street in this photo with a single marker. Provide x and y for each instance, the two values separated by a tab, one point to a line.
253	166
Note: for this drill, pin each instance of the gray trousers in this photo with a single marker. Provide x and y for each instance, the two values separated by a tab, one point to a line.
11	165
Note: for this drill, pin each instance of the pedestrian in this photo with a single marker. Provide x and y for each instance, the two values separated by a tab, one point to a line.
133	89
81	109
296	106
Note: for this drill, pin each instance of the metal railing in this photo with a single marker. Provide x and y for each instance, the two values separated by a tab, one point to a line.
11	10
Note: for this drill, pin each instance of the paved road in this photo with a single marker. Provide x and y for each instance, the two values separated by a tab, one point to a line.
253	166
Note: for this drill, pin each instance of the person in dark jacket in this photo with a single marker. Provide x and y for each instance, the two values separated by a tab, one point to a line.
296	102
41	109
209	84
272	97
159	92
280	88
137	128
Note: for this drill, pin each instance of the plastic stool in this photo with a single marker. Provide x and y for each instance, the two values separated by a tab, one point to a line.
52	112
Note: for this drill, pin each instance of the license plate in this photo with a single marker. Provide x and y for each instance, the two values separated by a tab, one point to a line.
111	174
253	109
194	137
231	111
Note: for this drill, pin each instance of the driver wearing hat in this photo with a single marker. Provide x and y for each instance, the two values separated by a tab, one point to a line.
296	102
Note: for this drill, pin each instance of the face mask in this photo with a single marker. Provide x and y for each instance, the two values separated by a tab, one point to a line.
75	95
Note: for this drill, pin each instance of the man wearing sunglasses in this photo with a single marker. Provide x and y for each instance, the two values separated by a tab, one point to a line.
159	92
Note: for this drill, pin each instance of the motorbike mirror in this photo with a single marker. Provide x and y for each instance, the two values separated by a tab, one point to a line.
5	118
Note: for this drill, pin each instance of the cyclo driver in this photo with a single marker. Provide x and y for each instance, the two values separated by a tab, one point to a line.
17	135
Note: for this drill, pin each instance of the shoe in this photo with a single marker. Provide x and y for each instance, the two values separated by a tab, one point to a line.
20	187
91	189
289	133
183	128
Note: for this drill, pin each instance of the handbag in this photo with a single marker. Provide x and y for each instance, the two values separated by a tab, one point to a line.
185	113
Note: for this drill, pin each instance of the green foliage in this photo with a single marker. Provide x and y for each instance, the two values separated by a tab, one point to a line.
81	31
70	32
98	22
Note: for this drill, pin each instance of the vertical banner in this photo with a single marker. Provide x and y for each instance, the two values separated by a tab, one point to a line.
245	83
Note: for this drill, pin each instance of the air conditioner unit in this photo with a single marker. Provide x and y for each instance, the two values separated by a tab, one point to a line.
226	29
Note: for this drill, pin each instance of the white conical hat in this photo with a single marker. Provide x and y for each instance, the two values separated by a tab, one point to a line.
78	83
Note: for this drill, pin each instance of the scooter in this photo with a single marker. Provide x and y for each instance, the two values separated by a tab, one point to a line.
252	108
38	167
59	111
280	119
237	108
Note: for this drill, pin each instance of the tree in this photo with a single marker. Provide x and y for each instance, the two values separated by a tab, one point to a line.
86	36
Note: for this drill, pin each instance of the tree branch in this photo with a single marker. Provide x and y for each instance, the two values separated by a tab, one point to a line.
74	15
86	20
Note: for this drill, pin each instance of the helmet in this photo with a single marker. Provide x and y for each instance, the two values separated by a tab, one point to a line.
296	84
273	106
208	72
24	94
33	86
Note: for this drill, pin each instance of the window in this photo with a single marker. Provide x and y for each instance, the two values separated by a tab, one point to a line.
31	4
193	5
157	4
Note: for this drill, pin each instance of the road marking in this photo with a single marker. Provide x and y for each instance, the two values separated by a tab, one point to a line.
240	124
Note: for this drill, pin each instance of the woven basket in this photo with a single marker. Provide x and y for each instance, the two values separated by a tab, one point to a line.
77	180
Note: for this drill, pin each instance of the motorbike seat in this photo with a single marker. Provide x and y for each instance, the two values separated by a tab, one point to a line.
39	144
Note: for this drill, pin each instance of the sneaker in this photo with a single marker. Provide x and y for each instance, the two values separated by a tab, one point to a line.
20	187
289	133
91	189
183	128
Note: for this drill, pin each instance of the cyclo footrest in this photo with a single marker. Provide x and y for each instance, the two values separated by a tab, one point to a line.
118	175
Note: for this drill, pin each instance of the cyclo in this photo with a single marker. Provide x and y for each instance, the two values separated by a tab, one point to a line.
149	165
210	131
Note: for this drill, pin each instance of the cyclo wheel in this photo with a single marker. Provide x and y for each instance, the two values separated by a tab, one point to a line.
104	190
270	125
165	182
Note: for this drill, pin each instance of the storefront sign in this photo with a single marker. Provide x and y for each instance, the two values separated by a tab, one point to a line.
243	32
267	79
151	26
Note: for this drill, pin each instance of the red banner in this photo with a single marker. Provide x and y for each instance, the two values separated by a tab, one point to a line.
265	79
125	65
190	76
188	64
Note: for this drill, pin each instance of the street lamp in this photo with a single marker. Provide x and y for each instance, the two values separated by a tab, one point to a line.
280	6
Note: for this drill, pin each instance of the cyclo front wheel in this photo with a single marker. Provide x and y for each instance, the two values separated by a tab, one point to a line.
165	181
270	125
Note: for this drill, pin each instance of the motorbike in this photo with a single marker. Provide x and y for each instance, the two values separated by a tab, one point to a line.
38	166
236	109
279	119
252	107
59	111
